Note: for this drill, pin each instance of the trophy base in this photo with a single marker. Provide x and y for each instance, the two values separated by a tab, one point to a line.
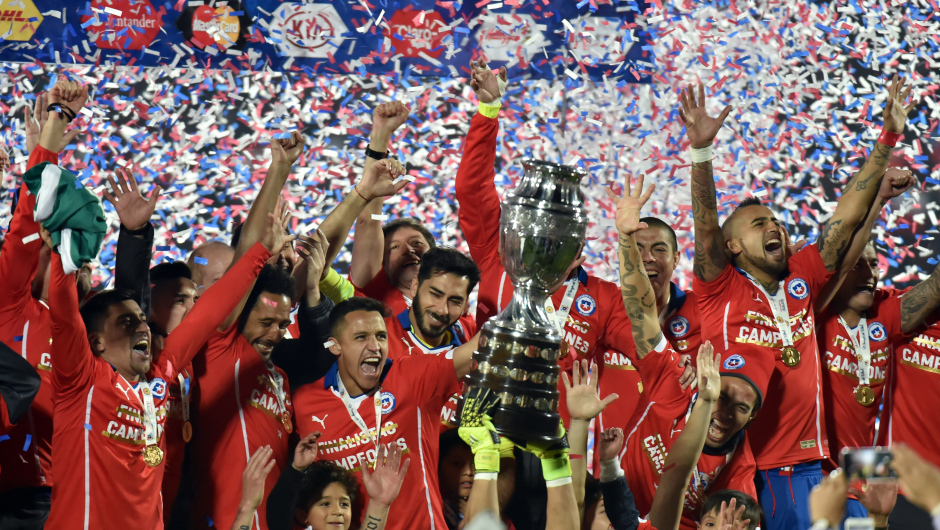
523	371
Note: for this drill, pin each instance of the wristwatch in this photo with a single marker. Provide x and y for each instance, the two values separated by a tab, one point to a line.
375	154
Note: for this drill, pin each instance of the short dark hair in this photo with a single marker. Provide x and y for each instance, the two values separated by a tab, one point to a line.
448	260
391	227
272	279
449	440
356	303
170	271
750	201
656	222
318	477
95	310
752	510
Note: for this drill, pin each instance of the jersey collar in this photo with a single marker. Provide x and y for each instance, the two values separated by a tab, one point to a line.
582	276
677	299
406	325
331	379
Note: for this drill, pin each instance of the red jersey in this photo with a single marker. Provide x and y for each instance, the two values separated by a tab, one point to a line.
682	327
239	410
737	318
653	430
99	432
413	389
402	342
849	423
25	326
913	383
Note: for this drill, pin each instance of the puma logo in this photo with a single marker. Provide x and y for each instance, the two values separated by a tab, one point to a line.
318	420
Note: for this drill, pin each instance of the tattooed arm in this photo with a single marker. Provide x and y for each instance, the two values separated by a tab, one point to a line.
859	194
917	303
896	181
701	129
638	295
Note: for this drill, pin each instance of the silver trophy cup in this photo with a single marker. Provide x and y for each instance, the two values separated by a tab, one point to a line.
542	228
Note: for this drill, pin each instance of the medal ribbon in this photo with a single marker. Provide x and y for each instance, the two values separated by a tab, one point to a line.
278	383
862	348
149	417
354	412
778	305
184	393
561	315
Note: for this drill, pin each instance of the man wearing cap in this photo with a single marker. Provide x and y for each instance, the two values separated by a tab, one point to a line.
726	461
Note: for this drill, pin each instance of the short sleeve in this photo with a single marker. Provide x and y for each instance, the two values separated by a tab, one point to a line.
808	264
432	378
659	373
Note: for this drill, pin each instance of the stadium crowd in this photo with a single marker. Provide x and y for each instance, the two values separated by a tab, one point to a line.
255	387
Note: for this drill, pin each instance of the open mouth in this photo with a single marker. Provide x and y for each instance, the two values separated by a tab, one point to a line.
774	247
264	348
436	319
142	348
868	287
370	366
716	431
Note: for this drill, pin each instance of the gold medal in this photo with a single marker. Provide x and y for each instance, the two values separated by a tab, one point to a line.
791	356
152	455
285	419
865	395
187	432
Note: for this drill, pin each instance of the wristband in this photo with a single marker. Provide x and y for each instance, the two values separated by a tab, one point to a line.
821	524
491	109
557	482
486	461
506	448
702	154
485	476
376	155
556	468
610	470
936	511
356	188
66	112
889	138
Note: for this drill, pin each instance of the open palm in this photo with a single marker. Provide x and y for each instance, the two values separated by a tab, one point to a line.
699	126
384	484
629	206
895	113
133	208
581	392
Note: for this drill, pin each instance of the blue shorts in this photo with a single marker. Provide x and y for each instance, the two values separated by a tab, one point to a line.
853	508
784	495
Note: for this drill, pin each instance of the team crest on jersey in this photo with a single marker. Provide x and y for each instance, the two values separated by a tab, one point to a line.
388	402
734	362
877	332
798	288
679	326
158	388
585	305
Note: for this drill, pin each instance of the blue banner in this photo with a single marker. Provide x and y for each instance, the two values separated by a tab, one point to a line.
533	38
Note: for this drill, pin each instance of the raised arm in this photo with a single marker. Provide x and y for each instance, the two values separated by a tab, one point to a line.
378	182
684	454
135	241
383	485
219	301
701	129
475	187
369	244
639	299
463	356
859	194
583	406
895	183
920	301
284	153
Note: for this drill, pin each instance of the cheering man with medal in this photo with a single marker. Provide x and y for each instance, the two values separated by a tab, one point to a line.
109	397
755	298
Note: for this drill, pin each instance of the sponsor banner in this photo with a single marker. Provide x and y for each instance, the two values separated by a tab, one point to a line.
424	37
19	19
